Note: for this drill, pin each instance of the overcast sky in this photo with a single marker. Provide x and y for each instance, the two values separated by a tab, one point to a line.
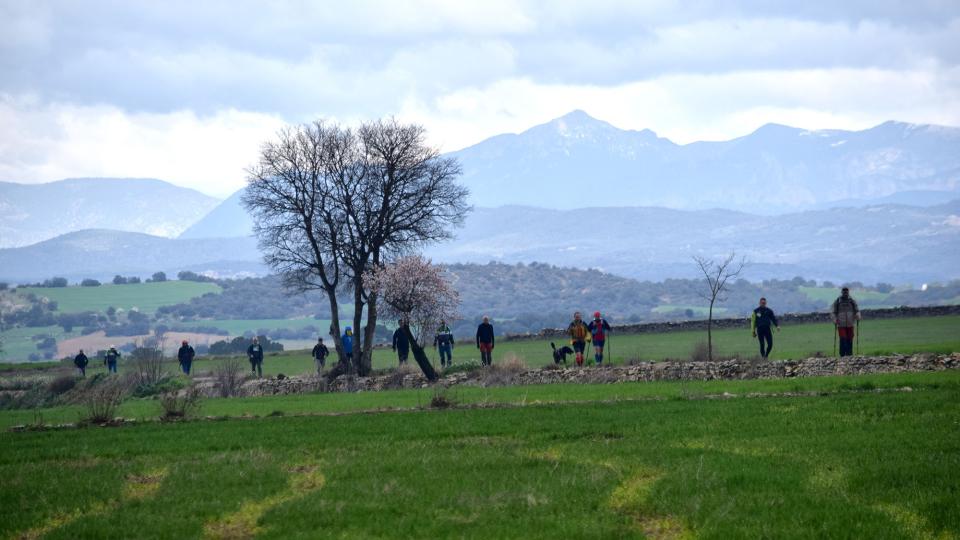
186	91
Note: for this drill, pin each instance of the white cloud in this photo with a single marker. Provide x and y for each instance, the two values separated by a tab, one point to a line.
42	143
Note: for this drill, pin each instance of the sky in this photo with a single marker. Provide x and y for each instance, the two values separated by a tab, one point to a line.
187	91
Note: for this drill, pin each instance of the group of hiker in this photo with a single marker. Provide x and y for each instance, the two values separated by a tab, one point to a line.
844	310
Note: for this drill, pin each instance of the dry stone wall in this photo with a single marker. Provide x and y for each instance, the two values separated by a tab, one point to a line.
639	372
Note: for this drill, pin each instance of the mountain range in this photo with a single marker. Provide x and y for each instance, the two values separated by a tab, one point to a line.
577	161
31	213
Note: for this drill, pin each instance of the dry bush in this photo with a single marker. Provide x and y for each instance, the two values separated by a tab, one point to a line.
394	379
61	384
699	353
147	364
229	375
505	371
441	399
101	400
180	405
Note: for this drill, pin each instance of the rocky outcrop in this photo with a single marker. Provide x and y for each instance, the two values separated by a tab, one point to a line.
639	372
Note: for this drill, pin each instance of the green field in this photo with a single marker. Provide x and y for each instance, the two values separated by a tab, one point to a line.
237	327
848	464
18	345
828	295
146	297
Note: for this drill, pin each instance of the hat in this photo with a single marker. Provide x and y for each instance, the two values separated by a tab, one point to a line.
596	314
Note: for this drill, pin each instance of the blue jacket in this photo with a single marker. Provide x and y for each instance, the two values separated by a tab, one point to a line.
347	342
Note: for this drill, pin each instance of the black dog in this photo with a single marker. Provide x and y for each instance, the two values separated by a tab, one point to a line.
560	355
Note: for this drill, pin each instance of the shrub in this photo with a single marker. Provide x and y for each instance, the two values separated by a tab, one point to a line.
89	283
147	363
229	374
101	401
504	372
471	365
699	352
180	404
441	399
62	384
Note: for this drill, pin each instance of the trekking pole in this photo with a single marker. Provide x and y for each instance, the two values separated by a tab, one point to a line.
858	337
835	330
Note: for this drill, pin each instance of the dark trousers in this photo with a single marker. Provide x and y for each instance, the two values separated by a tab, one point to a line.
83	370
845	333
256	366
112	366
446	354
185	366
402	355
765	336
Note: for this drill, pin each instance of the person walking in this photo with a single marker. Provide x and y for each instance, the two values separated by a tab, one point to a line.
320	353
110	359
81	362
443	341
579	335
760	321
846	313
346	341
255	355
401	344
599	329
485	341
185	356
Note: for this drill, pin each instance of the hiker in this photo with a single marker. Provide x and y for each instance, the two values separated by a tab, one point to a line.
599	328
255	355
579	335
185	356
846	313
320	353
760	322
400	342
81	362
347	341
485	341
443	341
110	359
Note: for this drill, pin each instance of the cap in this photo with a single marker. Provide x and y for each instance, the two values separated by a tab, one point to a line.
596	314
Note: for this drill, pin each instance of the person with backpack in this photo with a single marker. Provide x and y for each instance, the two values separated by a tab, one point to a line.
485	341
579	336
760	321
110	359
443	341
846	313
81	362
400	342
320	353
599	329
185	356
255	355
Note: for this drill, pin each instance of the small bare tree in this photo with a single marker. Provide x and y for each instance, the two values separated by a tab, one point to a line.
717	276
416	291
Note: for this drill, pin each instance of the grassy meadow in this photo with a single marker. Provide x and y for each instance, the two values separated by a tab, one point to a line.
146	297
841	464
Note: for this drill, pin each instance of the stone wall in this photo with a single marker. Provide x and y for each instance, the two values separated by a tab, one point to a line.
639	372
743	322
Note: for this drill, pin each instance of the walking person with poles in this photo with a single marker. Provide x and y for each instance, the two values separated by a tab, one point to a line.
846	315
600	333
760	321
579	336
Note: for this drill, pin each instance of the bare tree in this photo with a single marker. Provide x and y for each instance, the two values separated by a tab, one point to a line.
417	292
329	204
298	224
717	276
408	198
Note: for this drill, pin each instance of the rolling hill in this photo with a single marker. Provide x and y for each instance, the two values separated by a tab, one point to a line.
31	213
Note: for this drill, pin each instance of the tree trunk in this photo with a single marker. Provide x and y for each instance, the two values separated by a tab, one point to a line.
357	341
420	356
710	333
335	325
370	332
